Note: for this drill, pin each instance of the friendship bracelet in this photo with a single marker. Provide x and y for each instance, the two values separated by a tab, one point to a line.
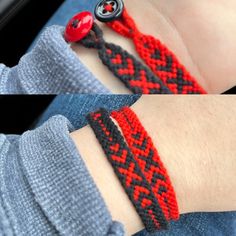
136	76
156	55
165	74
149	161
128	171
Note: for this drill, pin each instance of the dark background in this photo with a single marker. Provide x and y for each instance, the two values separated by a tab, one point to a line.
20	22
19	113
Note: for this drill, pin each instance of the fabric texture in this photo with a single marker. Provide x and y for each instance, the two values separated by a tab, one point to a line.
46	188
128	171
149	160
158	57
76	107
51	67
65	12
137	77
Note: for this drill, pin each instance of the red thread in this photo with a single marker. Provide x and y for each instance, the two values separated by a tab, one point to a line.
142	147
128	171
109	8
129	70
136	76
158	57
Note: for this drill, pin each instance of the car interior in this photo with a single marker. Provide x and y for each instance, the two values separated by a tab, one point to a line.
21	113
20	22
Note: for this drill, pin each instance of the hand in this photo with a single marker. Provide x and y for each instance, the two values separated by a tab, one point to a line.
201	33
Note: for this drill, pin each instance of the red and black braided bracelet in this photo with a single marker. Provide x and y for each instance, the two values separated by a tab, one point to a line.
164	74
149	161
128	171
158	57
136	76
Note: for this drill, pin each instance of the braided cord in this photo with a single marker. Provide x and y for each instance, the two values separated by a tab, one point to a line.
136	76
149	161
158	57
128	171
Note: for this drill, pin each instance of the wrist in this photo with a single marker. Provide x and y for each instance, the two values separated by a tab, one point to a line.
117	201
162	121
192	135
107	182
187	133
110	188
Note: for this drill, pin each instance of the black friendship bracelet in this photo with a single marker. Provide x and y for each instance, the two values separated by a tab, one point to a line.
136	76
128	171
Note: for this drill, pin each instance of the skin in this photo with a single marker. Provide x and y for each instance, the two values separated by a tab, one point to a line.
195	138
201	33
193	133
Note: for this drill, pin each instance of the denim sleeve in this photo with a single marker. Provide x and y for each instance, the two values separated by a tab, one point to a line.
46	188
51	67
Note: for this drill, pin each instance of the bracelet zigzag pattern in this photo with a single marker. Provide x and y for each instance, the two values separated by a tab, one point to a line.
158	57
128	171
147	156
136	76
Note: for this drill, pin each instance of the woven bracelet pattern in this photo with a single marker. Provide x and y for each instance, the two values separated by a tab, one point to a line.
149	161
136	76
158	57
128	171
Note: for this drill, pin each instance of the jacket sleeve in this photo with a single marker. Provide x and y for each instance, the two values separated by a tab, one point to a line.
51	67
46	188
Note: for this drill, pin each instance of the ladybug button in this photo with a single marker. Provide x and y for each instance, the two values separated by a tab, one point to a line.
109	10
78	27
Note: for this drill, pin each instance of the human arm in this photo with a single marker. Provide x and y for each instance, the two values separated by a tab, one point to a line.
51	67
200	33
44	175
192	135
46	188
203	43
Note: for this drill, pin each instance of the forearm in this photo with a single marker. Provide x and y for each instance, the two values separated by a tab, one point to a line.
196	139
191	136
201	37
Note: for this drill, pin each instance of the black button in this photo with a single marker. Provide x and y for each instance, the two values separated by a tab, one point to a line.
109	10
